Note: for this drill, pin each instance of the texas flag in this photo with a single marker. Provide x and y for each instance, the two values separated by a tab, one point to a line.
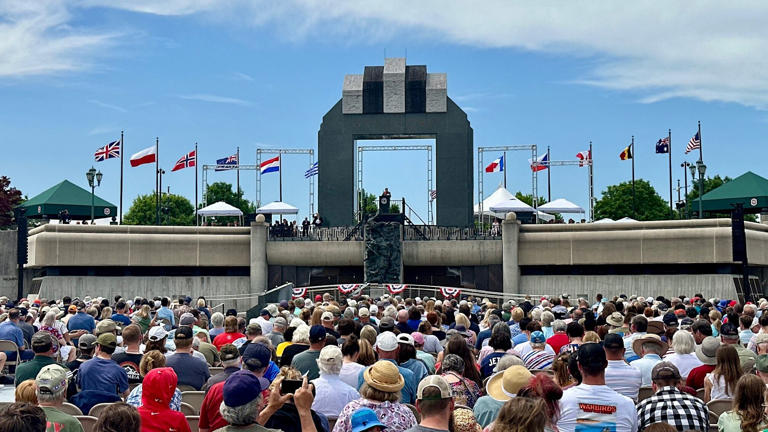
145	156
496	166
270	165
540	163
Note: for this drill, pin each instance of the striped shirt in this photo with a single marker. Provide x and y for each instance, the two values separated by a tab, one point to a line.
538	360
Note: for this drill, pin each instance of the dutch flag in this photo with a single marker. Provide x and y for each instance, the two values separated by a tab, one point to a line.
270	165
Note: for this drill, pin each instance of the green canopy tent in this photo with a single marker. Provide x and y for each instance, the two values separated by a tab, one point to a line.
67	196
748	189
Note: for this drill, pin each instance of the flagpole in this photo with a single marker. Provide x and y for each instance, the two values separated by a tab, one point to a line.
591	185
504	168
549	177
701	177
122	151
634	206
157	180
669	151
280	170
238	170
196	159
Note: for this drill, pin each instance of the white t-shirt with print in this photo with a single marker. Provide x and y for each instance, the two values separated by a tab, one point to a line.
586	408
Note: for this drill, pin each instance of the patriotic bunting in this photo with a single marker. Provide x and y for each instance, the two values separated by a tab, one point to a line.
449	292
396	288
347	288
298	293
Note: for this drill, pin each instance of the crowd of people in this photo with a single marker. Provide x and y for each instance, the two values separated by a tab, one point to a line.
389	363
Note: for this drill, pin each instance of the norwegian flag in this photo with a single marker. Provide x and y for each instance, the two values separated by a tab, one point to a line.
109	151
449	292
188	160
396	288
585	157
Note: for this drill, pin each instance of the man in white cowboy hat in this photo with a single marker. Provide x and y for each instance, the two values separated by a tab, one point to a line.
500	388
651	348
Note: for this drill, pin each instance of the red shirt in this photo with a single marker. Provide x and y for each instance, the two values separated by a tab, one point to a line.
558	340
210	417
696	376
226	338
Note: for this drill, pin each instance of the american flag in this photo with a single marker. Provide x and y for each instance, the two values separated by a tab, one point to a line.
433	194
693	144
109	151
188	160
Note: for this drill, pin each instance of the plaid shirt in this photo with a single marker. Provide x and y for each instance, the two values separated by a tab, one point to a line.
670	405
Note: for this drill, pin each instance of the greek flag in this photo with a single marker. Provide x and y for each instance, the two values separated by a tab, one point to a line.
311	171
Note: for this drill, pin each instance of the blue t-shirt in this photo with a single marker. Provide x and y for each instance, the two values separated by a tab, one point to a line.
81	321
101	374
521	338
483	335
165	313
10	332
190	370
122	319
489	363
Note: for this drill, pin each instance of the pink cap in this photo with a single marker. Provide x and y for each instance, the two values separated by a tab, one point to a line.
418	338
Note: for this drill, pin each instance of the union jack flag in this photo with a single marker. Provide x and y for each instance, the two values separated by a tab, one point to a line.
109	151
187	160
227	163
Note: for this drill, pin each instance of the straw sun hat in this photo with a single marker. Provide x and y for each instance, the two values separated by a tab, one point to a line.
384	376
504	385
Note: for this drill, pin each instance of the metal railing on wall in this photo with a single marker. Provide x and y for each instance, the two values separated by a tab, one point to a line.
277	233
354	233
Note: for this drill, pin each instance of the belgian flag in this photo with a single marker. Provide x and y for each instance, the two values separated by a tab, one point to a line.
626	153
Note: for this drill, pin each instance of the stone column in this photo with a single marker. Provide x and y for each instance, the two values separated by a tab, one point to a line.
510	234
259	234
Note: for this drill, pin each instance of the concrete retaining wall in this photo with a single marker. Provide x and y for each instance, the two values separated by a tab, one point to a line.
710	285
315	253
452	252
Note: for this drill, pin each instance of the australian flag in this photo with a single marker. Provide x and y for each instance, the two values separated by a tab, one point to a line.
226	163
662	145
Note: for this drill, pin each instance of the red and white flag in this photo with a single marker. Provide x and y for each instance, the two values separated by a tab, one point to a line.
188	160
585	157
145	156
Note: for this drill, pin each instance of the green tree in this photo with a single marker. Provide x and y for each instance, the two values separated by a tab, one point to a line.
175	210
710	183
222	191
10	197
616	202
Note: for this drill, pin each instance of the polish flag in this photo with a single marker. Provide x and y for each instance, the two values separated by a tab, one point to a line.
145	156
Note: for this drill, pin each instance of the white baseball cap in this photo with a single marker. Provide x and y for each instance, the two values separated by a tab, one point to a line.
156	333
386	341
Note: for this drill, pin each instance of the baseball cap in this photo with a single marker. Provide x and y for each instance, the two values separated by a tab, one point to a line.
665	370
670	320
86	341
182	333
41	339
242	387
418	338
156	333
327	316
364	312
613	341
258	352
107	340
330	354
387	341
592	354
280	321
272	310
317	333
105	326
264	312
437	382
729	329
187	319
51	379
363	419
386	324
686	323
538	337
253	327
229	352
231	312
405	338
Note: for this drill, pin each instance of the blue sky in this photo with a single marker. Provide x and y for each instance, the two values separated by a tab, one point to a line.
255	74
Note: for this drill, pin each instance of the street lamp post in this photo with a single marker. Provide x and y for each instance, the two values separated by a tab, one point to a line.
94	179
685	165
692	168
701	168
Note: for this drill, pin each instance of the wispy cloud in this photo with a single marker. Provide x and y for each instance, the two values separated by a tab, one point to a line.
470	109
101	130
204	97
242	76
107	105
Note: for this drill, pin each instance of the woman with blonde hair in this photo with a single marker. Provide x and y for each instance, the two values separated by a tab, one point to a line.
152	360
106	313
142	319
748	412
591	336
317	317
563	376
462	320
25	392
715	317
368	333
367	355
721	382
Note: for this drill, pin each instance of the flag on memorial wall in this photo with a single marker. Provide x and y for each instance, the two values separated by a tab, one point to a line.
433	195
270	165
626	153
496	166
227	163
540	163
109	151
693	144
145	156
312	171
585	157
186	161
662	145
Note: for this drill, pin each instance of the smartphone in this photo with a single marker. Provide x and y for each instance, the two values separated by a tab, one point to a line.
290	386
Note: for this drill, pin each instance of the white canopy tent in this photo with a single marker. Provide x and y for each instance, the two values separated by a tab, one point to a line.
515	205
277	207
220	209
605	220
501	196
626	219
561	205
